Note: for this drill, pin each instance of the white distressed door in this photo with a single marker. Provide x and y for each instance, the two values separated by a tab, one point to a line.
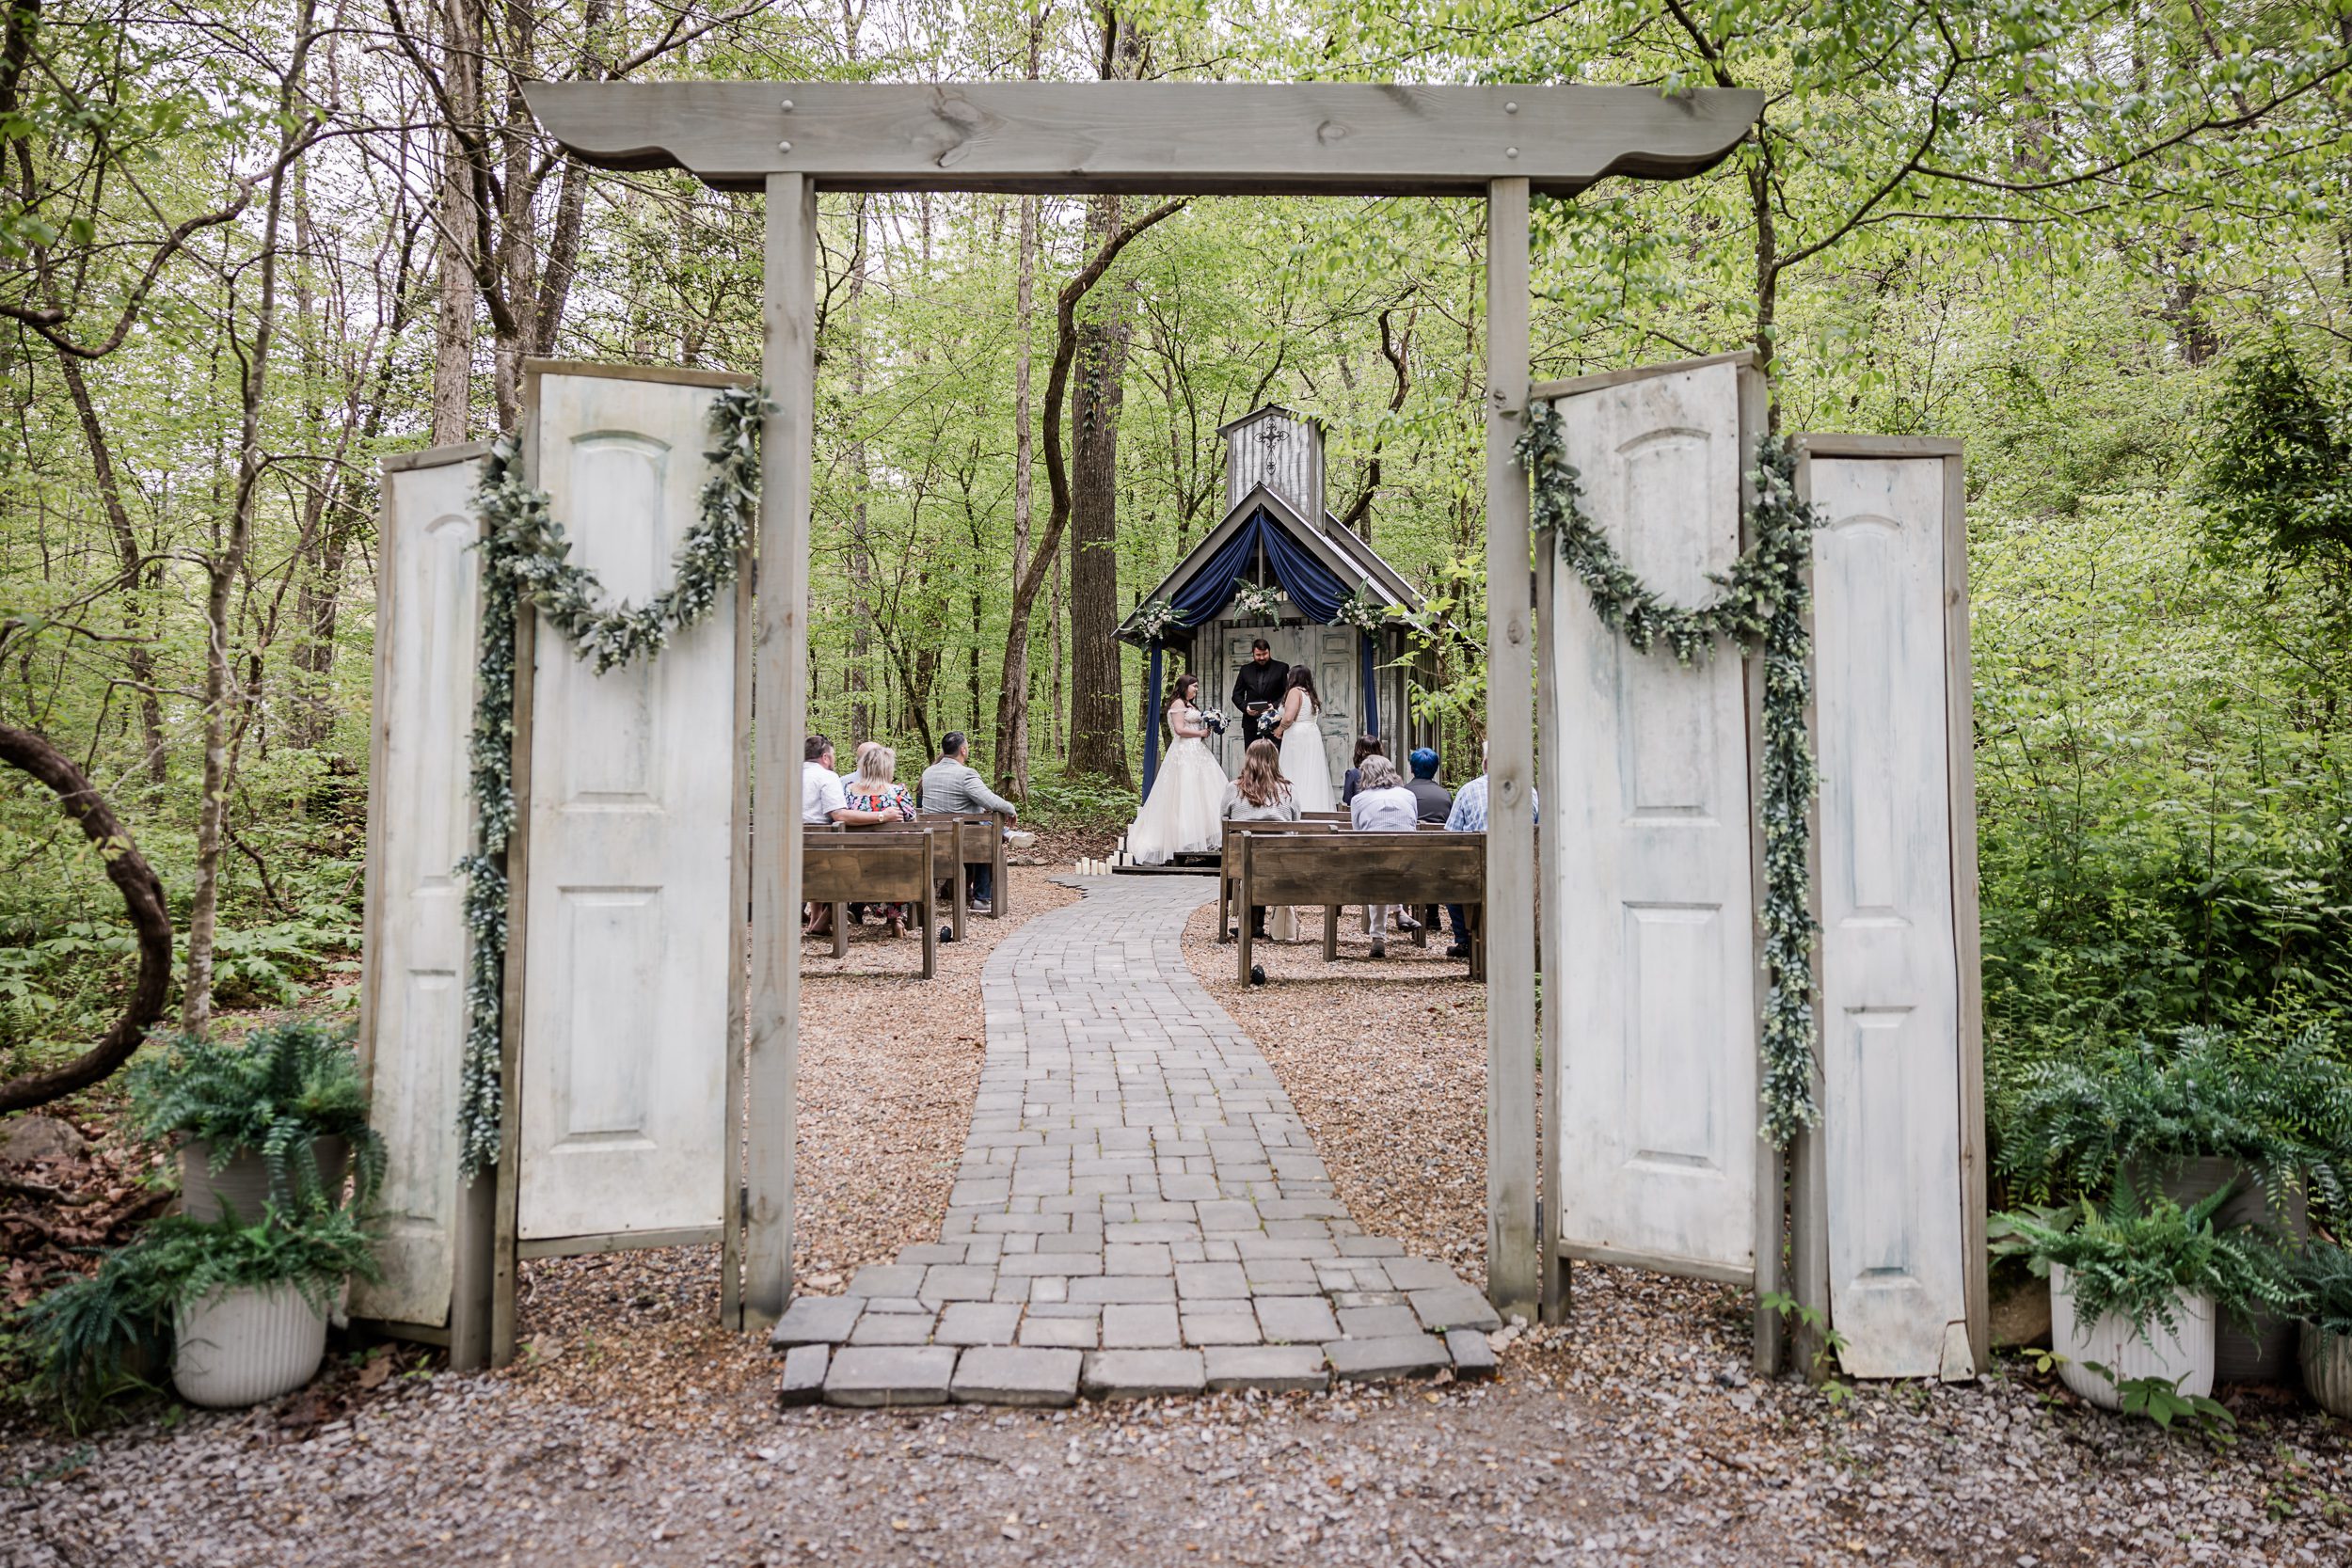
1655	888
1890	972
428	615
628	930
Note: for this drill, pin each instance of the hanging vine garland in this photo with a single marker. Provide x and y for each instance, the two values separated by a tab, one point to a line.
1764	600
526	560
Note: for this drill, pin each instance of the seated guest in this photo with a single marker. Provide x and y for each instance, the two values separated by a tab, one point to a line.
1433	802
1260	794
1366	746
953	785
1469	815
1382	805
863	747
874	788
823	799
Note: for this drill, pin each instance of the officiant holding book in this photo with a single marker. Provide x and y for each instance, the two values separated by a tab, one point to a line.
1258	692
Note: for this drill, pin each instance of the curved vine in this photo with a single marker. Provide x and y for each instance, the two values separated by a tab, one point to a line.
526	561
1762	606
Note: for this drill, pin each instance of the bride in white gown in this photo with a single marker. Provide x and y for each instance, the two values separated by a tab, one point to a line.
1303	762
1184	813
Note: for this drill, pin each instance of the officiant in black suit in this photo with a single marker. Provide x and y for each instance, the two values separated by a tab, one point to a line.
1260	681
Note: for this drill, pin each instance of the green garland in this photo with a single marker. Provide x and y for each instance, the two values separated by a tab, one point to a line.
526	561
1764	601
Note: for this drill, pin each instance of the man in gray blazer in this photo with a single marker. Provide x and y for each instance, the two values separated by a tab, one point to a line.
953	784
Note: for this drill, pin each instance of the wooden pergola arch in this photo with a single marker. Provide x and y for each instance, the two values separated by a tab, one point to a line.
792	140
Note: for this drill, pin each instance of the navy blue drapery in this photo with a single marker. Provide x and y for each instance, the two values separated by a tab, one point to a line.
1312	585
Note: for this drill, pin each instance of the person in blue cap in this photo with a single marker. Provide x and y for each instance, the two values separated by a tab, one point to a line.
1432	800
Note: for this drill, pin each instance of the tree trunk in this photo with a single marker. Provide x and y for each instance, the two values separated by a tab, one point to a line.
452	338
1012	698
135	566
226	565
1098	740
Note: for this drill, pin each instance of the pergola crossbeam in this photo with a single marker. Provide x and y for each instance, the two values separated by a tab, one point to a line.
1162	138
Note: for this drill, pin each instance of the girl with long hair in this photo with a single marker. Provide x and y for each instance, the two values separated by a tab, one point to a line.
1181	817
1303	762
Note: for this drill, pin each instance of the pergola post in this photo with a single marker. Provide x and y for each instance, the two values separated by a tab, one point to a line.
788	369
1512	1272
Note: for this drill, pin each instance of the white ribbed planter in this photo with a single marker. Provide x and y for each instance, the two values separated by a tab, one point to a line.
2327	1369
2184	1358
242	1346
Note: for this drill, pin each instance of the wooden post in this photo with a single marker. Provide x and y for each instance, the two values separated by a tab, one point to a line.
1553	1264
1512	1280
789	366
1961	727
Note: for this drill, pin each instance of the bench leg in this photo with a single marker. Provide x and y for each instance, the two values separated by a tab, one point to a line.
1224	903
841	930
963	902
1331	934
1242	947
929	910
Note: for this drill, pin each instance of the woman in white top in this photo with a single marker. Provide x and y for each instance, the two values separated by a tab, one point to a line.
1183	816
1303	762
1383	804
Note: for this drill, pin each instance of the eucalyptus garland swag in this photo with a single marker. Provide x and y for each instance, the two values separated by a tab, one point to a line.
526	560
1764	599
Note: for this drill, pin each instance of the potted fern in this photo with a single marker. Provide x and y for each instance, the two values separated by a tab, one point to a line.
274	1118
2323	1274
2137	1287
2206	1112
243	1304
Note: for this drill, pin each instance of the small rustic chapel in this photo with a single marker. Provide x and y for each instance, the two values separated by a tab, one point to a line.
1279	566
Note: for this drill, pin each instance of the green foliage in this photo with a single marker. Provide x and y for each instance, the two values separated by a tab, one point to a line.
2071	1127
275	1094
88	1335
2322	1274
2160	1399
2135	1256
1060	800
2278	469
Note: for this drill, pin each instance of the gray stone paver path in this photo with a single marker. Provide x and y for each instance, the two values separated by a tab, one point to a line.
1139	1210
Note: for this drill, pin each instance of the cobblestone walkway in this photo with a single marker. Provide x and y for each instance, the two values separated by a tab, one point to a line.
1139	1210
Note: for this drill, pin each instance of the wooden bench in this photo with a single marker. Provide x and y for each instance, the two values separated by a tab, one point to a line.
874	866
1333	869
1229	858
979	841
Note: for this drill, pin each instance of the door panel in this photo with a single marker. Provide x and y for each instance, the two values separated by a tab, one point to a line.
1889	973
627	925
1655	890
427	629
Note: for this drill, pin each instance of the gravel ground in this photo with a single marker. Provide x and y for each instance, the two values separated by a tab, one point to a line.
642	1435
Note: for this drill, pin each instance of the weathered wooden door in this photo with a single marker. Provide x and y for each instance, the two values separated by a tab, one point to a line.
1654	865
629	930
420	825
1892	1050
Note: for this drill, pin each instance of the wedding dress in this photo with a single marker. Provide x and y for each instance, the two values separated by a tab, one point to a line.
1183	814
1303	762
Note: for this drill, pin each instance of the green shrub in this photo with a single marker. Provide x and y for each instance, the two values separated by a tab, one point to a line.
89	1335
2322	1272
2064	1128
276	1093
2136	1255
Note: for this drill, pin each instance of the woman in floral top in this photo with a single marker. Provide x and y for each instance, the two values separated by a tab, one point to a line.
872	789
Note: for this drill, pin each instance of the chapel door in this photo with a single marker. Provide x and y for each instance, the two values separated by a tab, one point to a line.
1331	652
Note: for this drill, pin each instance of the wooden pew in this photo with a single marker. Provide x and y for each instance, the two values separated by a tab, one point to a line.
979	841
1365	868
841	867
1229	857
947	831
